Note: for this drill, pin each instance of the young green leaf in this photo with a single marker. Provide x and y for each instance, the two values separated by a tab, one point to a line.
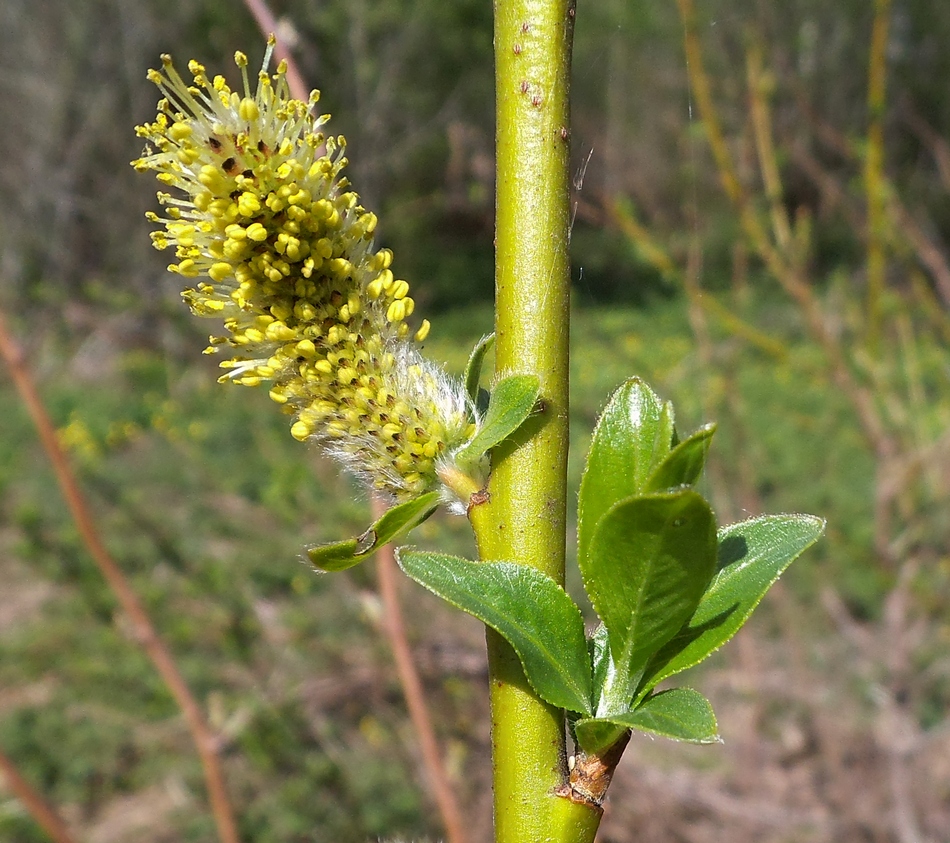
602	666
683	465
679	713
396	522
511	402
527	608
633	435
595	735
650	561
473	370
752	555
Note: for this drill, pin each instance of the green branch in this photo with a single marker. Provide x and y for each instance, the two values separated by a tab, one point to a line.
523	520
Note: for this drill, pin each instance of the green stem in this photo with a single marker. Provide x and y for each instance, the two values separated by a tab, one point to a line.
523	519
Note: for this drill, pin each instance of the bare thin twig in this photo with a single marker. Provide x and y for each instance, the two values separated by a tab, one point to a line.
145	632
39	809
395	629
267	24
765	145
393	625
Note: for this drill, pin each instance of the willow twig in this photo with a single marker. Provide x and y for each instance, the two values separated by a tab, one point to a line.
145	632
38	808
267	24
395	630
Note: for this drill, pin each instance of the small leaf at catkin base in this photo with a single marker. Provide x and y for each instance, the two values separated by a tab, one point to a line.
511	402
396	522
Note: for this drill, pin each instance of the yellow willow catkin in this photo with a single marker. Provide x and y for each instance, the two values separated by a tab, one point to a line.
281	250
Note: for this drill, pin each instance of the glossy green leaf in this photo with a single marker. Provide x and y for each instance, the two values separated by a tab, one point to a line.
679	713
396	522
602	666
595	735
473	370
650	562
683	465
511	402
751	557
632	437
527	608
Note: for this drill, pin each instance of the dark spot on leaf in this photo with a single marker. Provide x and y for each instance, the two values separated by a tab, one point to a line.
366	542
732	549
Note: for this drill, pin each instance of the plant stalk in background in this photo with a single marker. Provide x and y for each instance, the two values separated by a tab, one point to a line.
394	628
45	816
204	740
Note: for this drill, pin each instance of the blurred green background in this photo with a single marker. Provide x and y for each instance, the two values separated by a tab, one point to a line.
834	709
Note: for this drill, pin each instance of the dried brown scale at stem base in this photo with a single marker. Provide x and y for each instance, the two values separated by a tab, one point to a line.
591	774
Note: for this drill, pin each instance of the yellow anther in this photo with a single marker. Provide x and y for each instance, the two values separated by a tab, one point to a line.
423	331
187	268
305	348
396	311
248	204
257	232
180	131
188	156
220	271
279	332
300	430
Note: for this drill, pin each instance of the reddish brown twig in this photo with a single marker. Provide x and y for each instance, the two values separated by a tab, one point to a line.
38	808
145	632
395	630
267	24
393	624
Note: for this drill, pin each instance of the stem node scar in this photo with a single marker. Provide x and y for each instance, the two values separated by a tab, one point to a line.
478	498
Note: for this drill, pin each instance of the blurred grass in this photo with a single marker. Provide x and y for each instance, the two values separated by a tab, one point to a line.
207	502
